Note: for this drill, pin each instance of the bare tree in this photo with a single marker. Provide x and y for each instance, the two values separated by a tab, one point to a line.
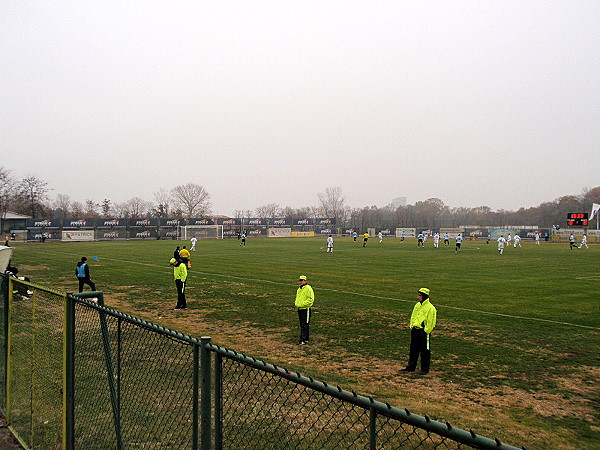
121	209
192	199
332	202
77	209
138	207
270	210
33	193
91	208
163	200
62	206
8	191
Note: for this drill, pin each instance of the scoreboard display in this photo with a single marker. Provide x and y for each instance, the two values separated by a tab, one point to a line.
577	219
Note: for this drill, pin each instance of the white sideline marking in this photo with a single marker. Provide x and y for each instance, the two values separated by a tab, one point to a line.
358	294
591	277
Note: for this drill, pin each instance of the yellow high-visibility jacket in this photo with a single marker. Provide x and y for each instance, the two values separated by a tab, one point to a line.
305	297
180	272
424	316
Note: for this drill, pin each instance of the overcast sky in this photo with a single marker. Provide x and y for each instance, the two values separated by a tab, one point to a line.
474	102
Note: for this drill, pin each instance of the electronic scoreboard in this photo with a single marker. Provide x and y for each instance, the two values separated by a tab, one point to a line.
577	219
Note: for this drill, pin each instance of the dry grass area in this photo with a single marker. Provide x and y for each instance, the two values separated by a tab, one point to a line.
489	411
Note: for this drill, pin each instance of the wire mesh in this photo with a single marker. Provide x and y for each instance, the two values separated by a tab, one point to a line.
134	387
36	370
153	381
261	409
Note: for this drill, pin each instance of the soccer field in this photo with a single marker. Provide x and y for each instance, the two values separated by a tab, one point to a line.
515	353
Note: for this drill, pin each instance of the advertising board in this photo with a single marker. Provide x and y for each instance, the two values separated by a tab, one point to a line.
78	235
280	232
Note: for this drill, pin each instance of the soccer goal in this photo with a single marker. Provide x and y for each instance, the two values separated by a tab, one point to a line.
202	232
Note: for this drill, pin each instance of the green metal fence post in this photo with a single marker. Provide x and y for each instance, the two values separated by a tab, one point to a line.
69	375
218	401
111	380
205	395
373	428
5	342
195	395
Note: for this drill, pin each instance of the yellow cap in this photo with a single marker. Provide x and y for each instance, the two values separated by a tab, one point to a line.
424	291
172	260
302	277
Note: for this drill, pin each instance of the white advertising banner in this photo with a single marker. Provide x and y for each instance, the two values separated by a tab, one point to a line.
78	235
406	232
280	232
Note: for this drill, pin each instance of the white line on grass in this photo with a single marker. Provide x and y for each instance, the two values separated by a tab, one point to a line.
591	277
358	294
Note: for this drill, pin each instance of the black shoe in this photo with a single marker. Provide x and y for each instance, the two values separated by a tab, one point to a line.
423	372
406	369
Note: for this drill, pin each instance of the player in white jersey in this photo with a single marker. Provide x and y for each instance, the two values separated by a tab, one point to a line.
501	242
193	243
446	239
517	241
583	242
330	244
508	239
436	240
537	238
380	236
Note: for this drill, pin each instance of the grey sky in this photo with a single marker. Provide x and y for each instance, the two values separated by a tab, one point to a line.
477	102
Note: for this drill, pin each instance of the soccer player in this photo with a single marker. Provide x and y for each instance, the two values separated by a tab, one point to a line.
436	240
243	241
420	240
401	236
583	242
517	241
354	235
330	244
366	237
501	242
193	249
537	238
508	239
572	242
446	239
459	240
380	236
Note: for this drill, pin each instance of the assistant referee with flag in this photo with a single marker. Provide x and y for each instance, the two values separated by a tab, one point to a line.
422	322
305	297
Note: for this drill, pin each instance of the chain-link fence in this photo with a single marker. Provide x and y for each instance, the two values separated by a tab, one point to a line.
80	375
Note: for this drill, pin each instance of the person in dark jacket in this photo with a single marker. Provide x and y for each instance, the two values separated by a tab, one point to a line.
83	274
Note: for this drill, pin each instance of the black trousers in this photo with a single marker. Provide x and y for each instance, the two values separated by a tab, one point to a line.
181	303
86	280
304	318
419	345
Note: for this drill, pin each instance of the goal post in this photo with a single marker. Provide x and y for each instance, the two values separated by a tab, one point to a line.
202	232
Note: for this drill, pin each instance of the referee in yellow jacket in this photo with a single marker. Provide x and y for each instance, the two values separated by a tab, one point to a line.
422	322
305	297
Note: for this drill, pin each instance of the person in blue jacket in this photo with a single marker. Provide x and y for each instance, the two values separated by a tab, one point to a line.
83	274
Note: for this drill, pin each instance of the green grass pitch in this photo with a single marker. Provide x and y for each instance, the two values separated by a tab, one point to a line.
515	354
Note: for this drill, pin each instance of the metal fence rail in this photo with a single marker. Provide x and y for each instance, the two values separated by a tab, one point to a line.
77	374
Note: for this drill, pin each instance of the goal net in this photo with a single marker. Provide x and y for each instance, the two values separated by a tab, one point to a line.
202	232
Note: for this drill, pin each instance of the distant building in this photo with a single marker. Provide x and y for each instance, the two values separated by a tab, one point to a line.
398	201
13	221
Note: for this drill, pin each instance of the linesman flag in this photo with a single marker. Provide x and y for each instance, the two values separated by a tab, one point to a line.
595	208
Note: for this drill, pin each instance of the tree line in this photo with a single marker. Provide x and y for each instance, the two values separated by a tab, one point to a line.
30	195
